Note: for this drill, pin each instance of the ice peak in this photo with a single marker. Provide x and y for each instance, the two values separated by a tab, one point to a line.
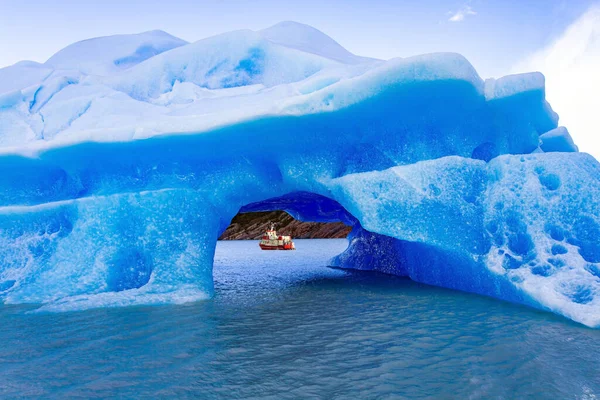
107	54
308	39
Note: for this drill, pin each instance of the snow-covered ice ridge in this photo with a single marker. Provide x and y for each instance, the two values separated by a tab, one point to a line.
123	158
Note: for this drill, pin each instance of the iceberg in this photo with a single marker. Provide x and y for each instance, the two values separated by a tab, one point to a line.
121	170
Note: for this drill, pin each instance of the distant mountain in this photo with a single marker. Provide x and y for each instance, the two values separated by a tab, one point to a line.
251	226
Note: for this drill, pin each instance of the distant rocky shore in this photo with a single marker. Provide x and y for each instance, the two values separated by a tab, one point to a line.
251	226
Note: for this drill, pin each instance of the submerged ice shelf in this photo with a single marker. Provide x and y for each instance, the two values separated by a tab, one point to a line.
119	173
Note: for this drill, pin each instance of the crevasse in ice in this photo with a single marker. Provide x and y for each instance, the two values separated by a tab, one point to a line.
121	167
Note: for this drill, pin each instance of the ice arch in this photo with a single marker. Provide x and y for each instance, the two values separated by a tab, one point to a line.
378	252
445	174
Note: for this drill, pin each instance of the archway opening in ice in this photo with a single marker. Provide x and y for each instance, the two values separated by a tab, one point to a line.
302	216
362	249
318	226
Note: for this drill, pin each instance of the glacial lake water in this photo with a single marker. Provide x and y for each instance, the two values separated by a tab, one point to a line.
283	325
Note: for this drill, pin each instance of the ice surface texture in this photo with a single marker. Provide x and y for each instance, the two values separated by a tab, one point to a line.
117	182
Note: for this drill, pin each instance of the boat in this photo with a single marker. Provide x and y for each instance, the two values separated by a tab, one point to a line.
270	240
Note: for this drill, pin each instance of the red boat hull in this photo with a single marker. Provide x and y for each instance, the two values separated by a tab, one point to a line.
283	247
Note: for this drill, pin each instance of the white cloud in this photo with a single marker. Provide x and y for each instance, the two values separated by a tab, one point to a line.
461	14
572	68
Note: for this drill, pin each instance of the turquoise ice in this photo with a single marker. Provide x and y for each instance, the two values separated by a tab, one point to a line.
119	174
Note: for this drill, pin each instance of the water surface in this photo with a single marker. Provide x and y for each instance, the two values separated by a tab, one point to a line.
282	325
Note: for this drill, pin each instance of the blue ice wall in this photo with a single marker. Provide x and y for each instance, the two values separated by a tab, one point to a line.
431	165
522	228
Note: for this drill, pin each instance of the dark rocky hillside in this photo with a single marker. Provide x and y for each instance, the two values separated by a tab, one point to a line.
253	225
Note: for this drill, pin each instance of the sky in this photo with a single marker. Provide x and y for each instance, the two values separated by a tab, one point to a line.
571	65
498	36
491	34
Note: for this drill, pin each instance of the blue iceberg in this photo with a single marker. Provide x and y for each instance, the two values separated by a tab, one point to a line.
120	173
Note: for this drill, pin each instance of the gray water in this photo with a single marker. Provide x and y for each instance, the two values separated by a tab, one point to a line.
283	325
